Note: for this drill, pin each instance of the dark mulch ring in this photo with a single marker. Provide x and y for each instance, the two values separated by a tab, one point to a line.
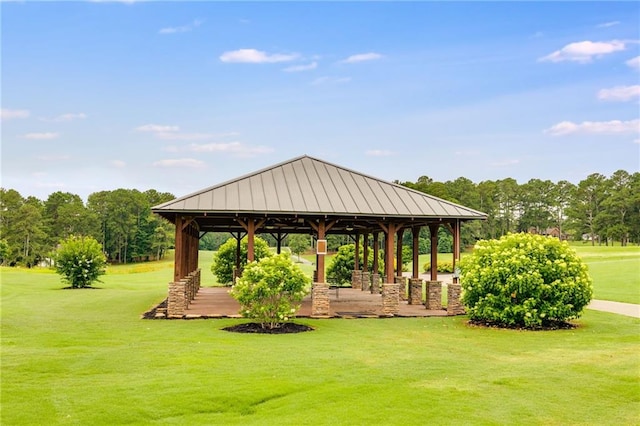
549	325
254	327
82	288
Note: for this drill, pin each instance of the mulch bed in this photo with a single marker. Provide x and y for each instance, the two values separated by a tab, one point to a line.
551	325
253	327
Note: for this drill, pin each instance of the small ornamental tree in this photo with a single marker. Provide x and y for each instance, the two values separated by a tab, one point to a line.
343	264
80	261
224	260
299	243
271	290
524	280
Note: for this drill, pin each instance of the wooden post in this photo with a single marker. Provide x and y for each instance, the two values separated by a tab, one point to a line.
357	259
320	257
388	253
238	250
456	248
251	229
376	247
179	249
400	234
279	243
365	252
416	251
433	229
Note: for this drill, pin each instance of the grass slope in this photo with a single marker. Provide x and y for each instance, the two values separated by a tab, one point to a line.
85	357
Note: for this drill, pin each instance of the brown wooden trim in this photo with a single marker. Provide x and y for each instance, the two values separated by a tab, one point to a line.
433	229
416	251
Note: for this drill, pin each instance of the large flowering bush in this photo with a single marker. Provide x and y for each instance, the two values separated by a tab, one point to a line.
80	261
524	280
270	290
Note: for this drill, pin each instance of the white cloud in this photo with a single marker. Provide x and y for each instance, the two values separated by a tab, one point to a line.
253	56
41	136
594	127
620	93
298	68
67	117
379	153
10	114
634	63
236	148
181	29
174	136
584	51
608	24
362	57
328	80
180	162
157	128
118	164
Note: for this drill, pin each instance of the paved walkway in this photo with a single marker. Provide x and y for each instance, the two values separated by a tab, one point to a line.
628	309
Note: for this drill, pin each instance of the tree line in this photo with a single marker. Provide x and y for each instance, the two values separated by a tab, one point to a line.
121	220
598	209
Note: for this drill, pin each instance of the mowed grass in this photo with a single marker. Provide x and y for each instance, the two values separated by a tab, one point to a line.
86	357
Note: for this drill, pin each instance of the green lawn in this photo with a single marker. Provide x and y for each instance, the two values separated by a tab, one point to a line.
85	357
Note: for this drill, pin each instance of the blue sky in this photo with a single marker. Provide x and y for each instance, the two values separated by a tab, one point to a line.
184	95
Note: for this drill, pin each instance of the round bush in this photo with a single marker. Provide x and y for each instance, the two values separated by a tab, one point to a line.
80	261
224	260
271	290
524	280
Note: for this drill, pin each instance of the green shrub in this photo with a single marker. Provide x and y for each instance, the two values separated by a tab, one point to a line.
80	261
444	267
524	280
343	264
224	260
271	290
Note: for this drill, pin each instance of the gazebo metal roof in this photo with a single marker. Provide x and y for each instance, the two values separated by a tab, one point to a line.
307	187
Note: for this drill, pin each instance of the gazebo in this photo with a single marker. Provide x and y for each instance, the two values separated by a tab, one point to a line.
310	196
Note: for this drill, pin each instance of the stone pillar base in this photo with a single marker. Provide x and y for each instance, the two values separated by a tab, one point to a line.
415	291
375	284
454	306
356	279
366	283
402	289
390	301
176	302
320	300
434	295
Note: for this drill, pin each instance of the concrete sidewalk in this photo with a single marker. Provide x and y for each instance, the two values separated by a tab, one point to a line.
628	309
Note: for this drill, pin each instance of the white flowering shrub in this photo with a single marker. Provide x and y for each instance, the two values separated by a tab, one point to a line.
80	261
271	290
524	280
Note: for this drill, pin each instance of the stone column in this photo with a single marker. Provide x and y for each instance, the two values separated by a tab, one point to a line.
390	302
356	279
176	303
320	300
375	284
366	281
434	295
402	287
454	306
415	291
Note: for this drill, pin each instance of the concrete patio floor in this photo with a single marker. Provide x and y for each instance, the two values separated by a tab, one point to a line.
215	302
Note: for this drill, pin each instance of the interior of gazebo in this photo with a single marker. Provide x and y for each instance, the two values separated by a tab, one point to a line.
310	196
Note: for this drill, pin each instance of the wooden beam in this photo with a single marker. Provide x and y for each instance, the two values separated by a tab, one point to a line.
251	229
179	250
365	252
320	257
400	233
433	229
388	252
416	251
356	261
376	247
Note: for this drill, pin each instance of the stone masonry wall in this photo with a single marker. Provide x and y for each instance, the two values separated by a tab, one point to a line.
415	291
434	295
454	306
320	300
366	281
390	301
402	287
356	279
375	284
181	293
